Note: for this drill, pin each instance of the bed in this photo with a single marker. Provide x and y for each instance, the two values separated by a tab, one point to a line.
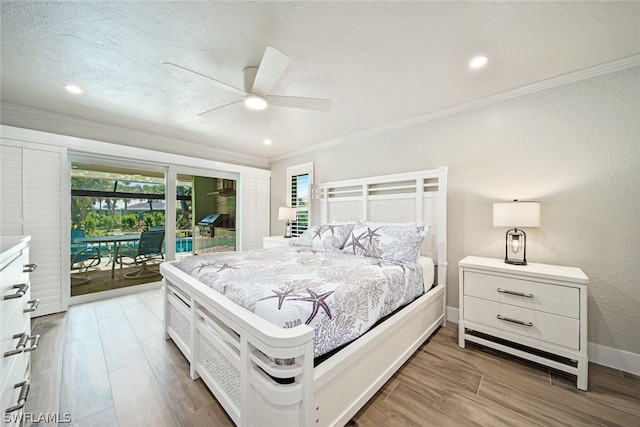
264	374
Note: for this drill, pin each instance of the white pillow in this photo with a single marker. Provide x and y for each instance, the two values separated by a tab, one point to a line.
327	236
399	243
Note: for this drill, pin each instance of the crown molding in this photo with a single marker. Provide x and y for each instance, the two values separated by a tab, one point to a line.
559	80
215	154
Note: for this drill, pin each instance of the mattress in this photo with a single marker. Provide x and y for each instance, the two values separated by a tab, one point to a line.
340	295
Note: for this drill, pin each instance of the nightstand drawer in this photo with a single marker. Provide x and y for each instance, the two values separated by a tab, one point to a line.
560	300
546	327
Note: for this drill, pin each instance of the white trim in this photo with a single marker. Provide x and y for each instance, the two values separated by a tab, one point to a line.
614	358
65	220
562	79
606	356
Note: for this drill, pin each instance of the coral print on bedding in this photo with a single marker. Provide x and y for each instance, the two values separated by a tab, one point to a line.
338	294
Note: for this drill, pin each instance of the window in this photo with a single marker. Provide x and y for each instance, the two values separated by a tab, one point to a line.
299	181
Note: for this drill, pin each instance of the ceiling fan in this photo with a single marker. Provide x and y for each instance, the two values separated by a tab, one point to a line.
258	82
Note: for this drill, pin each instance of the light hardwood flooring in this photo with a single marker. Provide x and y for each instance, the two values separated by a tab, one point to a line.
107	364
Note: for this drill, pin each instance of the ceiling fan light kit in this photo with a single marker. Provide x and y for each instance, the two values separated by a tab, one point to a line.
255	102
258	82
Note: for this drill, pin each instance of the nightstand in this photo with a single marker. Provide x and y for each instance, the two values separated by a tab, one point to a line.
273	241
536	311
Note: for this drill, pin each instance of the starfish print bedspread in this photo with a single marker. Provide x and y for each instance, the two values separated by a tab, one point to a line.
339	295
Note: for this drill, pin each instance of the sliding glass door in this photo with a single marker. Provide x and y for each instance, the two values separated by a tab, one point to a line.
205	215
116	203
117	226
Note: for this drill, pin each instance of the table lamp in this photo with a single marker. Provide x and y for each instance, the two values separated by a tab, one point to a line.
516	214
287	214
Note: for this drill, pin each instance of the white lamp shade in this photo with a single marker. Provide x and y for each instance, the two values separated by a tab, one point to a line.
516	214
286	213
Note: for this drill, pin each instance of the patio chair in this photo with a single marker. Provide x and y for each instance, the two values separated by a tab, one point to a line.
83	257
149	251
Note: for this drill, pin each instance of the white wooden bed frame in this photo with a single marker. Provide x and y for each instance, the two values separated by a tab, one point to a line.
226	344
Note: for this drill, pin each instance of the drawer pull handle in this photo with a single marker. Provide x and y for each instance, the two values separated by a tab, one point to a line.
34	343
22	398
30	268
21	290
22	342
34	303
518	294
519	322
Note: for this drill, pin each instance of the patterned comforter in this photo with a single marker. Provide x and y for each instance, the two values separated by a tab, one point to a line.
339	295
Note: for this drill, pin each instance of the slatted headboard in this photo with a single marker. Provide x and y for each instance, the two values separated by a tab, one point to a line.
407	197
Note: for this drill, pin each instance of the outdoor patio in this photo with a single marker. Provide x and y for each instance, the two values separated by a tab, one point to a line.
101	279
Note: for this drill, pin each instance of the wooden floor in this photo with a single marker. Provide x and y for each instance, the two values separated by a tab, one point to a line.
107	364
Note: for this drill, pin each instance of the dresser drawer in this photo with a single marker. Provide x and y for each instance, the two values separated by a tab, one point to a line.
548	298
10	394
14	325
539	325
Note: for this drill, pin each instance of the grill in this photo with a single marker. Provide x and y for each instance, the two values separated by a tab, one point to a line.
208	223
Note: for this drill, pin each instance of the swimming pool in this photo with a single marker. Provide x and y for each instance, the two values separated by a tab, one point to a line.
185	244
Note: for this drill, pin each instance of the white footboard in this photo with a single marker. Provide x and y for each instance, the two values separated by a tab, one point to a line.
232	350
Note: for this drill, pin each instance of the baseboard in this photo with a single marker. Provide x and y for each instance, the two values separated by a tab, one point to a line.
614	358
600	354
452	314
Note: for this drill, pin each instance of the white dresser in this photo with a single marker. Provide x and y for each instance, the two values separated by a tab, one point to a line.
537	312
15	327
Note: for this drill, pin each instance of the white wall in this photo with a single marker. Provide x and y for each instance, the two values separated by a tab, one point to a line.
575	148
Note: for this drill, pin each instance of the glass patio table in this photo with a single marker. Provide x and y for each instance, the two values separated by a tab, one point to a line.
116	239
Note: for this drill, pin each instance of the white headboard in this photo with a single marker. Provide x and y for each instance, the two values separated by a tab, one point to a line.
407	197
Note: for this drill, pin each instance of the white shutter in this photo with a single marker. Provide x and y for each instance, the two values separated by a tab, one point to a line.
302	211
263	201
254	211
32	204
43	199
11	190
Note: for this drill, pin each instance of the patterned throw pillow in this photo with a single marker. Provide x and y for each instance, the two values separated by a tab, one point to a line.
328	236
399	243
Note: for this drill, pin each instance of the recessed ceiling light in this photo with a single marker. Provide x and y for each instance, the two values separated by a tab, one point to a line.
255	102
73	89
478	62
267	141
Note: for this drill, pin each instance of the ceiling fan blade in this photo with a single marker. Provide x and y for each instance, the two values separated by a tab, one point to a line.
218	108
201	77
298	102
270	70
275	123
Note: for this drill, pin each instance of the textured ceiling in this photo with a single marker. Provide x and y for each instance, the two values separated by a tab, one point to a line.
380	62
